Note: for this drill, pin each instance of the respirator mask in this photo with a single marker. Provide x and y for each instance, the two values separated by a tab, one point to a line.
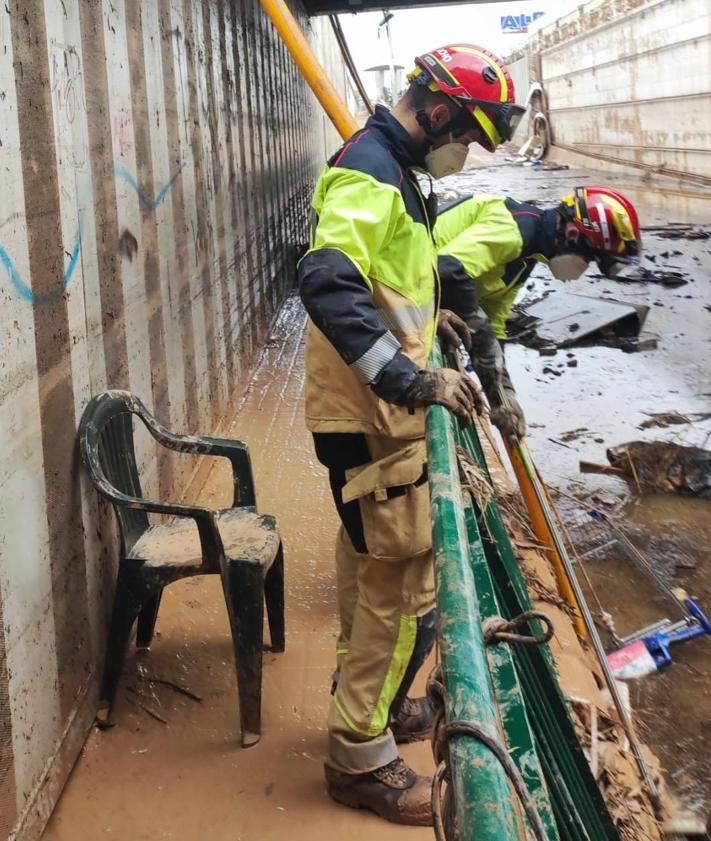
446	160
567	266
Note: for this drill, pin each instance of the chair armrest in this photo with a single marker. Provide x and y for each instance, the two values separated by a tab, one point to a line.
210	540
235	451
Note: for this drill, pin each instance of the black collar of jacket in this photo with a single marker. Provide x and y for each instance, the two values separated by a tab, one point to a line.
547	234
402	147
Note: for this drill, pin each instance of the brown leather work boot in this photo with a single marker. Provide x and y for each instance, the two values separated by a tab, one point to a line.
413	722
395	792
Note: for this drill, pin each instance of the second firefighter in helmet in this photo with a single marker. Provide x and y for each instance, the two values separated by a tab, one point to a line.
487	248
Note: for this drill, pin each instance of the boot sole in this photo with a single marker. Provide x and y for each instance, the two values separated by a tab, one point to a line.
353	801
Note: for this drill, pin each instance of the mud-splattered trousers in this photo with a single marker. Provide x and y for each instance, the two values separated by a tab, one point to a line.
368	283
385	589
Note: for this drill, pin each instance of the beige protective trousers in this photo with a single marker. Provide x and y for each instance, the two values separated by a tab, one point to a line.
381	594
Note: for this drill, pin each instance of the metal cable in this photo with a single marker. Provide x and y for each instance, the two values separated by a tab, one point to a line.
443	732
496	629
350	64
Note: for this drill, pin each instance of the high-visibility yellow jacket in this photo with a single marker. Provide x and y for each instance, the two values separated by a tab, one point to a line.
368	282
488	246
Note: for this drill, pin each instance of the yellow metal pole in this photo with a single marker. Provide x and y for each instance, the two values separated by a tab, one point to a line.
532	489
315	75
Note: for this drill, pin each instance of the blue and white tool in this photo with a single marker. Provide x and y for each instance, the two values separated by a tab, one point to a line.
649	650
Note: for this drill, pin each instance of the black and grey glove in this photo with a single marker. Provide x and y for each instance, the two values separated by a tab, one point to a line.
488	361
506	412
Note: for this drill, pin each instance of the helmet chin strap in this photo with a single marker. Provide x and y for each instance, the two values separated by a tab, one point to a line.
423	120
458	124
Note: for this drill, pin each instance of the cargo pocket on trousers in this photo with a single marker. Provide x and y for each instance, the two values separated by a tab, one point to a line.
394	501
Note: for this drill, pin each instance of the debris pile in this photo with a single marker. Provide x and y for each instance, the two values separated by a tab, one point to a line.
597	723
679	230
662	420
664	466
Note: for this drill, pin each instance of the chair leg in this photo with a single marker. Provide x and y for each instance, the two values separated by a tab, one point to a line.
147	621
244	593
131	595
274	594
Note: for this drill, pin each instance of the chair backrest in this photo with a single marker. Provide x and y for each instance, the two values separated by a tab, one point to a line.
108	452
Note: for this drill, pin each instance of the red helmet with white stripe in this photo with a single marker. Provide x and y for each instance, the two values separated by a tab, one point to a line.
607	220
477	81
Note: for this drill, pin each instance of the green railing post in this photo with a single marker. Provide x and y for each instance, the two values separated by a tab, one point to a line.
512	692
483	796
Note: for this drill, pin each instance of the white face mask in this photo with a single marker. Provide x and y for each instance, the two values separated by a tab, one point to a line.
446	160
567	266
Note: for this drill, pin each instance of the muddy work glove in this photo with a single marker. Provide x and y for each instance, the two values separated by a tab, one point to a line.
488	360
506	412
452	331
446	387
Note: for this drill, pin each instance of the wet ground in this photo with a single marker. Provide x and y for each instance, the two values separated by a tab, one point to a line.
184	777
605	398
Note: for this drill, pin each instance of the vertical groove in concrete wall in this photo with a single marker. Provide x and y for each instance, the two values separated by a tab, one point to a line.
149	235
8	806
53	340
96	94
158	160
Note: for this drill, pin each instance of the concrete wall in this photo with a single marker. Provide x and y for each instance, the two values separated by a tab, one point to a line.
629	83
156	162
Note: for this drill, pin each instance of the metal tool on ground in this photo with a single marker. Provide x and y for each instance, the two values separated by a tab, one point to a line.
648	650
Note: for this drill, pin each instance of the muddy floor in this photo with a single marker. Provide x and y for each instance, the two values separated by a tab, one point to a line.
186	778
171	768
575	413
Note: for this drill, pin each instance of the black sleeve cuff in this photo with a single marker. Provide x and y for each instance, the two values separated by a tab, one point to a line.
394	381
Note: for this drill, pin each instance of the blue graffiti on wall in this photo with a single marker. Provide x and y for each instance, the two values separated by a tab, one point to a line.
24	290
147	203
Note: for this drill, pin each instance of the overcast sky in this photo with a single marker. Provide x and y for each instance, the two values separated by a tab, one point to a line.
416	31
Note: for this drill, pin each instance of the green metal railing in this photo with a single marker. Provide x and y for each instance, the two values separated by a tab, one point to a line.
510	692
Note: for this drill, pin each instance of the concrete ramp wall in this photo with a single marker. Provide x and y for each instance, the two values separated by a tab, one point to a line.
156	164
628	84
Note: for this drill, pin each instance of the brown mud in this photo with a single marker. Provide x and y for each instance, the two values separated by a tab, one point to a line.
172	767
664	466
181	775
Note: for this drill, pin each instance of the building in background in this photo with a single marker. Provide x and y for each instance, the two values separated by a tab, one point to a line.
388	82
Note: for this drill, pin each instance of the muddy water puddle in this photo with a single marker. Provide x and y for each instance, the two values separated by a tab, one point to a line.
673	705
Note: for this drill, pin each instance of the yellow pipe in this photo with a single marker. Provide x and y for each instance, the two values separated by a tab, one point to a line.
542	530
315	75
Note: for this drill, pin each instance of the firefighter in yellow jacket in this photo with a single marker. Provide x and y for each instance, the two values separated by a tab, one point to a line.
368	283
487	248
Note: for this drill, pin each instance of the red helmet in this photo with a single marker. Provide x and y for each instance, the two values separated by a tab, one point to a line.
478	81
607	220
